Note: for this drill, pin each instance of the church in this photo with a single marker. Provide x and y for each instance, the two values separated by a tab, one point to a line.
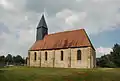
68	49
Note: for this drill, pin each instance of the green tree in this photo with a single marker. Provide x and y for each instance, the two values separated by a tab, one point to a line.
2	61
18	60
112	59
9	59
2	58
115	55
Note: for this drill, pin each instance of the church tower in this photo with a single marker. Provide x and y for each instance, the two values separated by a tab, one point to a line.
42	29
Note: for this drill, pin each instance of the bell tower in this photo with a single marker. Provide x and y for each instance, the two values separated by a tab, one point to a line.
42	29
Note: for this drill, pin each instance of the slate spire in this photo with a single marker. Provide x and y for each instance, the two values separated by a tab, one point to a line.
42	29
42	22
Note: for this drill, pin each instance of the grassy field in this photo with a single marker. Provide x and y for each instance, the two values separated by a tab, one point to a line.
58	74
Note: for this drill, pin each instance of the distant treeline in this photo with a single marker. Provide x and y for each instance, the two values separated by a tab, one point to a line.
111	60
12	60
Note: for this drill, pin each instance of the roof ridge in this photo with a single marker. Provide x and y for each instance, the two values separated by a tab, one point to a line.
66	31
89	40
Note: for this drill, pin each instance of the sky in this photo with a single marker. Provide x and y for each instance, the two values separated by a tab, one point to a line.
19	19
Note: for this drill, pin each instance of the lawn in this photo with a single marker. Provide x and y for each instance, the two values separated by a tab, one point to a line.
59	74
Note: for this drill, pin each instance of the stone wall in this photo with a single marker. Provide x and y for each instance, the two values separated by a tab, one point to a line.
84	62
49	61
33	62
62	63
88	57
94	57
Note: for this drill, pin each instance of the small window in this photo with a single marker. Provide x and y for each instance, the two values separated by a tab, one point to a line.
61	55
79	55
35	56
45	55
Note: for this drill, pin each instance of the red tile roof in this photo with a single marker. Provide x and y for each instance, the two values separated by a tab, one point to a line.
67	39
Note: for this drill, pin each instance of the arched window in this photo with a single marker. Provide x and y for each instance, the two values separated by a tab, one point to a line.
35	56
78	54
45	55
61	55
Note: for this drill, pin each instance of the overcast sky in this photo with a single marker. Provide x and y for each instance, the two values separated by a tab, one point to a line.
19	19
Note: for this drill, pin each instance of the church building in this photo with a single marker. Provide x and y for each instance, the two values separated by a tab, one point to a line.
68	49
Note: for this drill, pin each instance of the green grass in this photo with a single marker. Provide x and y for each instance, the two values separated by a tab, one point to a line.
59	74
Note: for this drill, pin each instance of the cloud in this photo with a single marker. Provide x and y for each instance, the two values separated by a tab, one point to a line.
94	17
6	4
3	28
15	29
102	51
71	18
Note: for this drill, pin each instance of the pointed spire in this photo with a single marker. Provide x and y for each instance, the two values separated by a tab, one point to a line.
42	22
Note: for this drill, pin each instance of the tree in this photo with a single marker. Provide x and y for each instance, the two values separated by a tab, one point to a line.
112	59
2	58
9	59
2	61
115	55
18	60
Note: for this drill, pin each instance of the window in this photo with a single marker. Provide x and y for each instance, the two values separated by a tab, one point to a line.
61	55
35	55
45	55
79	55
